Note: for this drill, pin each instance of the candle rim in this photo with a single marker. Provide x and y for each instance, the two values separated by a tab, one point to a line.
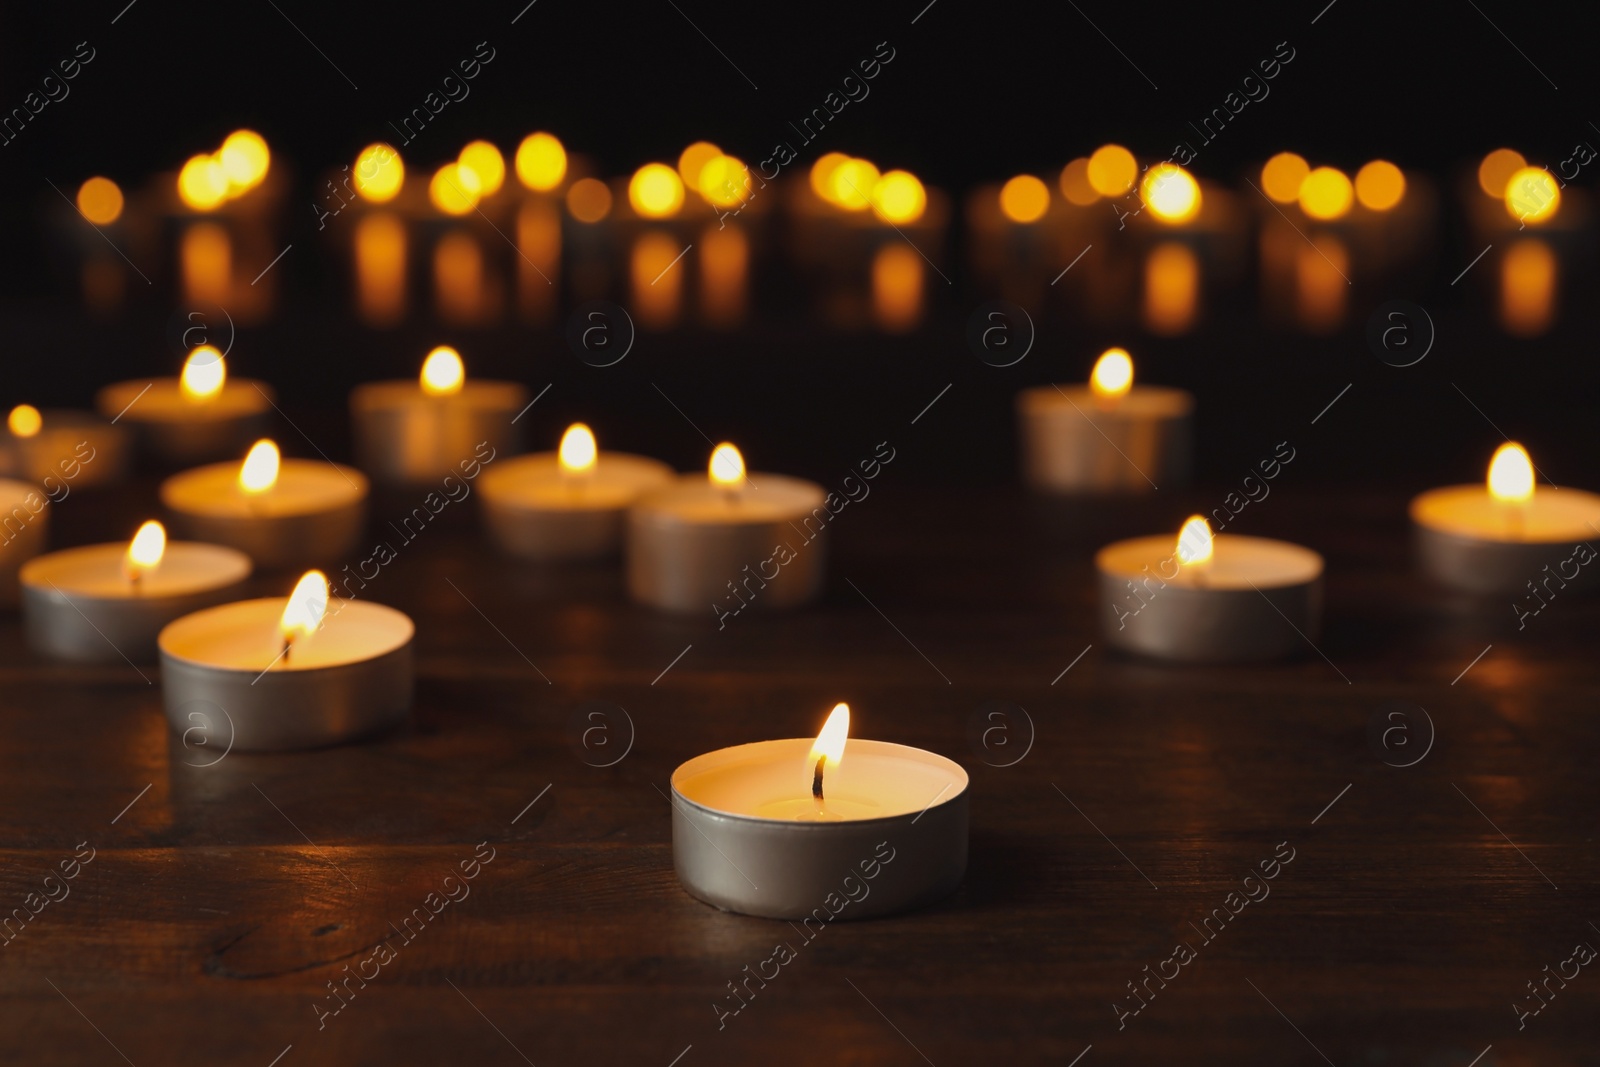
114	550
198	620
1419	507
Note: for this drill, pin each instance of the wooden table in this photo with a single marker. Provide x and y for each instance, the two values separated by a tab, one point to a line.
221	901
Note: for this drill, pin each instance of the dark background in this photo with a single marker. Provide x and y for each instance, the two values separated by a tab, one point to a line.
975	93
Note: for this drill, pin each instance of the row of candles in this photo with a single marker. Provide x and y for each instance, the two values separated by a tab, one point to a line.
764	828
850	219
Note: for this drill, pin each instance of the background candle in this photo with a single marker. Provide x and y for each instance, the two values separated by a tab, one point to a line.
725	541
410	432
295	513
571	504
349	678
62	445
24	520
1108	437
1209	600
745	836
200	415
1506	536
104	603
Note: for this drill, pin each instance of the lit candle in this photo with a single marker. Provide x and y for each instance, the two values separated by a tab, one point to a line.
415	432
1529	279
52	446
283	513
1209	598
727	540
104	603
831	826
570	504
289	673
380	252
24	525
1171	288
203	414
1109	436
1504	535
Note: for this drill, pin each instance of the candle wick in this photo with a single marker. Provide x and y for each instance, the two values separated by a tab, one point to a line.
816	779
288	646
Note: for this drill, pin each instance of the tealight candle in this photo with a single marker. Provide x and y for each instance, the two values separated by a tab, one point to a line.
566	505
24	520
1210	599
411	432
200	415
283	513
788	829
62	445
103	603
700	541
1506	536
295	673
1107	437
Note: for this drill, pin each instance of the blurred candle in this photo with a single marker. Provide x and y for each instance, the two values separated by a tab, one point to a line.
1528	274
1171	288
897	282
724	274
1321	289
656	278
381	268
207	263
538	258
461	290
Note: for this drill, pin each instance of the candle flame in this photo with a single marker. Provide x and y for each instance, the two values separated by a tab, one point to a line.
259	471
1171	192
578	449
149	544
727	467
830	742
245	159
541	161
443	372
1532	194
204	373
1511	474
1195	543
303	614
24	420
1113	374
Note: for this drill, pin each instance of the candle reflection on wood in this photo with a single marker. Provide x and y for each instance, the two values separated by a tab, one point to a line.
1528	276
462	290
1321	287
381	268
897	284
206	258
1171	288
724	274
538	258
656	279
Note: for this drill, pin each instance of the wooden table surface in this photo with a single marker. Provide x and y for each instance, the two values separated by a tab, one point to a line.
222	900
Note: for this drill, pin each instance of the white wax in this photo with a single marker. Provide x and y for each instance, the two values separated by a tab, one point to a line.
537	483
94	572
1237	562
304	487
771	781
1140	402
403	394
165	402
1552	515
245	636
694	499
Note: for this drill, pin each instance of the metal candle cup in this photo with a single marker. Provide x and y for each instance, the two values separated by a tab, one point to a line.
403	436
1070	444
70	446
351	678
24	521
1258	599
78	605
314	514
742	840
180	430
1467	540
535	509
692	542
